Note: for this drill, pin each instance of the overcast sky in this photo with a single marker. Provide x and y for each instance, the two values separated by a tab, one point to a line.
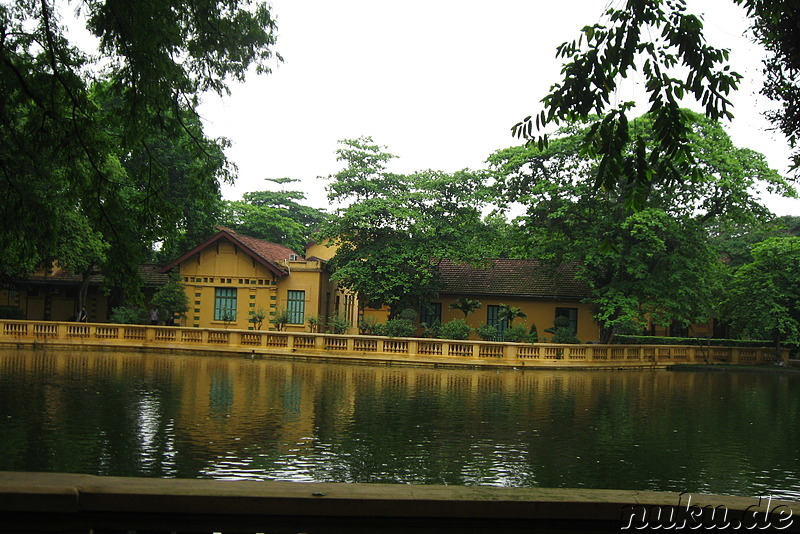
439	82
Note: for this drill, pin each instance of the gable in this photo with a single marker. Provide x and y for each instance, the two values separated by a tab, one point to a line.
270	255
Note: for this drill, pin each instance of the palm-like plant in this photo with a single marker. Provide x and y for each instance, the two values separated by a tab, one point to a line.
509	313
465	305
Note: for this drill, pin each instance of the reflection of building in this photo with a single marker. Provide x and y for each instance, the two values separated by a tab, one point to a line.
231	277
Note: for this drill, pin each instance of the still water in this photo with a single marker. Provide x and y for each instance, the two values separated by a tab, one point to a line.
131	414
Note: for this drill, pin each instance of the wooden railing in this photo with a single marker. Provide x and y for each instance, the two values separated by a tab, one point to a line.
432	351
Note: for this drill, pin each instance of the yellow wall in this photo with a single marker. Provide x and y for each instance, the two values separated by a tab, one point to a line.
224	265
42	302
539	312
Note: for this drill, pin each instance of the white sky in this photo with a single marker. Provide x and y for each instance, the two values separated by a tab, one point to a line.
439	82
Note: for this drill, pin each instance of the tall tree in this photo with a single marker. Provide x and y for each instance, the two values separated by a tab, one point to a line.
653	264
665	45
763	301
277	216
70	147
394	229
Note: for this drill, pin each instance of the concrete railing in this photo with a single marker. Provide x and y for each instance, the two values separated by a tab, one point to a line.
59	502
419	350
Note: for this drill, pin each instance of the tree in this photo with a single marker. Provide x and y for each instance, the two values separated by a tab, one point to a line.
763	301
276	216
93	141
776	26
665	45
465	305
171	300
509	313
656	264
735	243
396	228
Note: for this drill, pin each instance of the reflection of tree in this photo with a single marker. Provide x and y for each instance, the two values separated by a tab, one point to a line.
134	414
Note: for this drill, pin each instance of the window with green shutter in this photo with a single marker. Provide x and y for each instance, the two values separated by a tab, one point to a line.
296	306
225	304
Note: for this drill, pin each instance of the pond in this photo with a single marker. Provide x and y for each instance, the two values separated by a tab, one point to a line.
165	415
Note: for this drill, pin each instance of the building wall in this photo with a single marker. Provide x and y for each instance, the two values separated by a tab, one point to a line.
223	265
48	302
542	313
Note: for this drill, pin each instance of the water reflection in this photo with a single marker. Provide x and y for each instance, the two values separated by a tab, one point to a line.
135	414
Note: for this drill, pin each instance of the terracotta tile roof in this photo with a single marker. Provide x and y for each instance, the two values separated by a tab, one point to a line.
518	278
265	249
271	255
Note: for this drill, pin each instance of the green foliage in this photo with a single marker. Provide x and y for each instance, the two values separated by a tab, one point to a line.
315	322
561	331
776	26
454	329
129	315
103	155
735	242
338	325
367	325
657	263
171	300
509	313
279	318
675	64
275	216
763	300
257	317
487	332
520	334
395	328
465	305
396	228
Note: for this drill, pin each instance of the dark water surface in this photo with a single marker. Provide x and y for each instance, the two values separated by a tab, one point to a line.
130	414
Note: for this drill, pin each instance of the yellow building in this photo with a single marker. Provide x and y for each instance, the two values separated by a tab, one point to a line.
230	277
51	294
541	294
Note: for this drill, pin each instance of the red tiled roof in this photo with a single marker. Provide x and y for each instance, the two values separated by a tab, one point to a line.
518	278
265	249
271	255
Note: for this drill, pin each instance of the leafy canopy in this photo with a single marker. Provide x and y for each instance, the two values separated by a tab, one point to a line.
276	216
764	297
656	264
107	148
394	229
659	41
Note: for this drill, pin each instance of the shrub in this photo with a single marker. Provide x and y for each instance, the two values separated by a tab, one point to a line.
367	325
257	317
519	334
280	318
395	328
314	323
171	300
126	315
487	332
338	325
408	314
561	331
455	329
